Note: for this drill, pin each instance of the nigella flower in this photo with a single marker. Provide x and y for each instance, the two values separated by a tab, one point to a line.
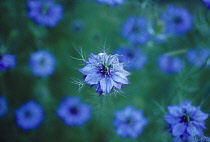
135	30
207	3
3	106
134	58
105	72
46	13
29	115
73	112
178	20
111	2
185	120
170	64
7	61
198	57
42	63
129	122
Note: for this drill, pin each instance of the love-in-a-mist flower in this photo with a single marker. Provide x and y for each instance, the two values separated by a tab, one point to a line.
170	64
178	20
198	57
134	29
73	112
7	61
29	115
46	13
134	58
207	3
3	106
42	63
105	72
129	122
185	121
111	2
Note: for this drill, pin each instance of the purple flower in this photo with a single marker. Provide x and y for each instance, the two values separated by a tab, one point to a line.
198	57
178	20
73	112
111	2
207	3
7	61
3	106
29	115
135	30
133	57
129	122
105	72
185	120
42	63
170	64
45	12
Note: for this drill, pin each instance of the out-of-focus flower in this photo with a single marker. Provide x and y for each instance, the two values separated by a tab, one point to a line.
29	115
135	30
46	13
198	57
170	64
7	61
111	2
178	20
42	63
185	120
3	106
105	72
207	3
129	122
73	112
134	58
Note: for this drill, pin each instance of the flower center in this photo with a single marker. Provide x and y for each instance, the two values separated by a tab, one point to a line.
45	9
177	20
186	119
106	69
28	114
129	121
135	29
42	61
73	110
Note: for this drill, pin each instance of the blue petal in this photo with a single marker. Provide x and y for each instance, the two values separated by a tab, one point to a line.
193	130
171	119
92	78
88	69
175	110
106	84
178	129
119	77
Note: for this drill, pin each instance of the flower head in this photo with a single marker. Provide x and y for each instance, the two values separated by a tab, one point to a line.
111	2
29	115
73	112
134	58
42	63
185	120
169	64
135	30
7	61
105	72
3	106
46	13
207	3
129	122
178	20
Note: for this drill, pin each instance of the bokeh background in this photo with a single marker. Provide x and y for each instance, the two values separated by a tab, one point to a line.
88	26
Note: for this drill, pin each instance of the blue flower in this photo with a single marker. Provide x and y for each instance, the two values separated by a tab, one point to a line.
170	64
45	12
178	20
185	120
135	30
7	61
111	2
105	72
29	115
42	63
3	106
73	112
134	58
129	122
207	3
198	57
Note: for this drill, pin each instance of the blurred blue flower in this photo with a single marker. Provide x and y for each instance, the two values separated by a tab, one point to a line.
111	2
192	139
135	30
178	20
185	120
7	61
105	72
198	57
42	63
134	58
29	115
207	3
73	112
3	106
170	64
129	122
46	13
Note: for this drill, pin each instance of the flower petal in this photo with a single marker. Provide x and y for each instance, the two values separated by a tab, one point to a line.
178	129
92	78
171	119
106	84
119	77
